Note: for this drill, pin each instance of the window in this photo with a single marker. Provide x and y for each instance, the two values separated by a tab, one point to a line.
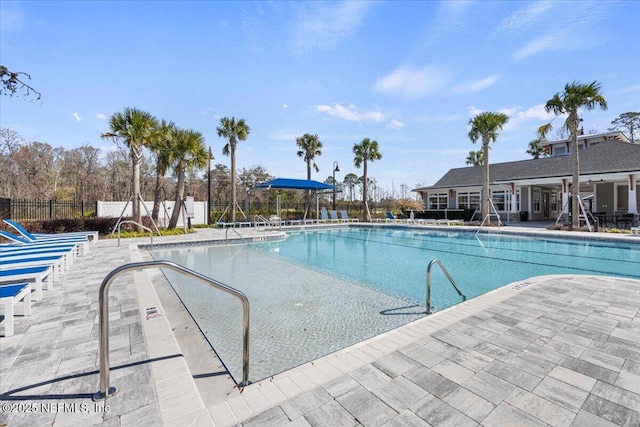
438	201
536	200
468	200
559	150
502	200
499	200
554	202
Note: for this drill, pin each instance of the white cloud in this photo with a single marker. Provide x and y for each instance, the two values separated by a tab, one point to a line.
526	17
351	113
285	106
412	82
565	28
76	116
476	86
537	112
473	110
101	116
550	42
395	124
630	89
323	25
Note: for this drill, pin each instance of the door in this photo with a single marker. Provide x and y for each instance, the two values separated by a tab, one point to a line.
545	204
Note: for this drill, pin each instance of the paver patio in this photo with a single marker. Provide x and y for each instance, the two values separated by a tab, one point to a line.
554	350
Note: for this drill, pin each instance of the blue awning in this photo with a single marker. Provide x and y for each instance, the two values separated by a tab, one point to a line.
294	184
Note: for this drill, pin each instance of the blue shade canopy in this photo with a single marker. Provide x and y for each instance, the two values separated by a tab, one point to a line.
293	184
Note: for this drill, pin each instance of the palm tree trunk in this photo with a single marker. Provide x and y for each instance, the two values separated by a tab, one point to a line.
486	193
156	196
177	208
575	181
137	217
308	209
366	216
233	183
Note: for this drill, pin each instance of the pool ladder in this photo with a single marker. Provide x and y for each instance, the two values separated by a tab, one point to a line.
444	270
103	302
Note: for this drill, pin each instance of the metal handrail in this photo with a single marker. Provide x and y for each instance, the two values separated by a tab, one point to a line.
136	223
258	219
103	301
226	233
437	261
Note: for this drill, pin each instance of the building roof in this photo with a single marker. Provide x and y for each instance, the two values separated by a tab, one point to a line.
605	157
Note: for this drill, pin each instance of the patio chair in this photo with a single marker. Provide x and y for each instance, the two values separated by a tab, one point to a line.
84	240
324	216
69	252
23	241
78	234
10	296
56	261
37	274
334	216
345	217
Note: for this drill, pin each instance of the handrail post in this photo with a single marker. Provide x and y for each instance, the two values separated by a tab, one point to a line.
136	223
444	270
103	301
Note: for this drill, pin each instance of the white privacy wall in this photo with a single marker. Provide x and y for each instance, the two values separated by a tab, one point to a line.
114	209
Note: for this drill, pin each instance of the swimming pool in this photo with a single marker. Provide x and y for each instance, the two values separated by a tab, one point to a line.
318	291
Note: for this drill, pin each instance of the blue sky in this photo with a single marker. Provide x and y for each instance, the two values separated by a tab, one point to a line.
407	74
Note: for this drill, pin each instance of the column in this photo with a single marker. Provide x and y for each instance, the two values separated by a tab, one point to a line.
633	200
565	197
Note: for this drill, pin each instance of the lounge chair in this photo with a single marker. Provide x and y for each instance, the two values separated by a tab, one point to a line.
455	222
345	217
18	252
23	241
10	296
324	216
56	261
334	216
37	274
78	234
389	217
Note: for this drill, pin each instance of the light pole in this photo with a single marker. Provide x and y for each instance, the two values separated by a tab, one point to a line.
335	169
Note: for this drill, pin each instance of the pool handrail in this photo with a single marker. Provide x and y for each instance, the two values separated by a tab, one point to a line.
136	223
103	302
444	270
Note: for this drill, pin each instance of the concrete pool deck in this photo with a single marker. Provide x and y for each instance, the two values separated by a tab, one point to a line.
554	350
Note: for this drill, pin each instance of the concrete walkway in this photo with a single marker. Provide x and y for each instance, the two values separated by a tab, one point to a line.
547	351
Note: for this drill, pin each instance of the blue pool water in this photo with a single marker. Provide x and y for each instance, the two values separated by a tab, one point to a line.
318	291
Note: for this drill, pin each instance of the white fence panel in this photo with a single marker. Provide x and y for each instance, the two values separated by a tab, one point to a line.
114	210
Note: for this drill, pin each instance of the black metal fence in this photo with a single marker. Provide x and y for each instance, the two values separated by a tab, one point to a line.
42	210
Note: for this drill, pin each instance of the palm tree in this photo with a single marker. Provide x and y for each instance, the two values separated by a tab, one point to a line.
135	129
233	131
575	96
536	151
366	151
163	150
486	125
310	147
190	153
475	158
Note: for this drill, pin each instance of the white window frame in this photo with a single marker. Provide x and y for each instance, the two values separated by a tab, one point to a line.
441	201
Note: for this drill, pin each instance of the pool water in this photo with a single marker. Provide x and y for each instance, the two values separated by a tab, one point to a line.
319	291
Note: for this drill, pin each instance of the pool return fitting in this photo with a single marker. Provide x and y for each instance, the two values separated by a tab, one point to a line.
103	301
